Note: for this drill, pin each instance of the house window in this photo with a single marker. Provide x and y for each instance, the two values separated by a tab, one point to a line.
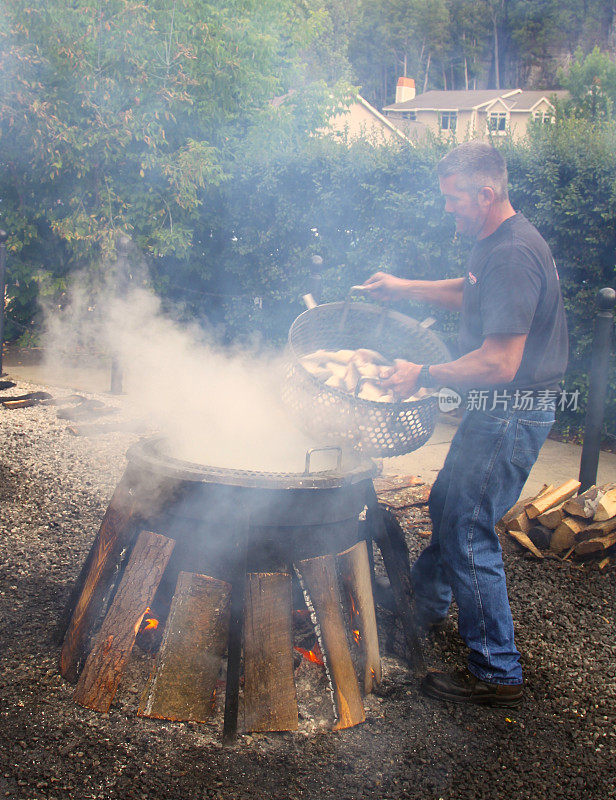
497	122
412	115
449	120
544	117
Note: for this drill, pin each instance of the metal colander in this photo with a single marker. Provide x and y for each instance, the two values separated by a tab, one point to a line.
332	415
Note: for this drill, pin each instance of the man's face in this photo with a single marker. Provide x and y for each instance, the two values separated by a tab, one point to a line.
470	209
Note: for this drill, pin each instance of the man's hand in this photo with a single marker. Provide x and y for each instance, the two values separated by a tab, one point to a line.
385	286
401	378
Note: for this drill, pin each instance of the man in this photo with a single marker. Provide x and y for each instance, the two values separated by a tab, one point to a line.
513	340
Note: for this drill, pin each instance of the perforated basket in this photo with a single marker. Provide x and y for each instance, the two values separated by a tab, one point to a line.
334	416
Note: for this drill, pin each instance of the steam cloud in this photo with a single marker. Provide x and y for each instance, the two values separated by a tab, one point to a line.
216	407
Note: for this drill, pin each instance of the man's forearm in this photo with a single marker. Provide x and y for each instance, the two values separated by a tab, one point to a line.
447	293
495	362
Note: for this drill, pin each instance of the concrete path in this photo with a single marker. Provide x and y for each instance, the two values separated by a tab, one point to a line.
557	461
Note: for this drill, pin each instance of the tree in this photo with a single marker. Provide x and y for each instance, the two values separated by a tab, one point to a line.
591	80
115	116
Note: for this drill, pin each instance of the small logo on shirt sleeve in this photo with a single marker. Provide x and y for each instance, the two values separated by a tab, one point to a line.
472	279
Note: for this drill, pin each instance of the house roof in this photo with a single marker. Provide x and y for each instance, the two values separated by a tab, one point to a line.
386	123
438	100
527	100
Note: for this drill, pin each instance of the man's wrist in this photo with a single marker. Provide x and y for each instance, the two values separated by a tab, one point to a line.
425	378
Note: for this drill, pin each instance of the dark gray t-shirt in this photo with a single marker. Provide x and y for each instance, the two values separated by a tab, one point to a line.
512	287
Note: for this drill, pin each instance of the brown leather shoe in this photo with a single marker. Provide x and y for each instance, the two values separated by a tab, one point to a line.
462	686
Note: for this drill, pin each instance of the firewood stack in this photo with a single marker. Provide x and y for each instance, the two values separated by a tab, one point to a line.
563	523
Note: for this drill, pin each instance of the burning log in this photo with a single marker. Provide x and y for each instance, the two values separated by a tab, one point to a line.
105	664
270	700
354	569
321	583
183	683
115	535
87	594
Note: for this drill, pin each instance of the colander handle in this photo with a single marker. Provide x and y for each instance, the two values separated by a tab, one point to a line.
362	380
321	450
347	305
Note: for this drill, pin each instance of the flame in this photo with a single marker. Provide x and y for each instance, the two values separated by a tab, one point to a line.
312	655
151	622
357	636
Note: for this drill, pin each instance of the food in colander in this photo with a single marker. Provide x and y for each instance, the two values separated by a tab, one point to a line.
354	371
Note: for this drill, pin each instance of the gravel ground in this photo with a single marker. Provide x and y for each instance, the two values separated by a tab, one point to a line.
54	488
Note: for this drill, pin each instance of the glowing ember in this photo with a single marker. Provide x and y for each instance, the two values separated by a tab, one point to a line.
356	636
315	656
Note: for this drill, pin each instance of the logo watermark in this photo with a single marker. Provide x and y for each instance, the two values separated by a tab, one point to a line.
516	400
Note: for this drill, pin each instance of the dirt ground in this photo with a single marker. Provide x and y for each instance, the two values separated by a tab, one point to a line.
561	743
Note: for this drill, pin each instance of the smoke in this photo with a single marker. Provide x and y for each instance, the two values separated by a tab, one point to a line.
219	407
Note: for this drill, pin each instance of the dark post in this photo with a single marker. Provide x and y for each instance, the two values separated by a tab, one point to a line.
122	281
3	237
597	388
316	279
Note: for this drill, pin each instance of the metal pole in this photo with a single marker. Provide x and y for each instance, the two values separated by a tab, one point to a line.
597	388
3	237
316	279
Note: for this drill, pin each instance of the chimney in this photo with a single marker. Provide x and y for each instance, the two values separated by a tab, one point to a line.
405	90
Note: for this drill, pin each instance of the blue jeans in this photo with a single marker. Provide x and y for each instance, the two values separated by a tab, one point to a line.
482	477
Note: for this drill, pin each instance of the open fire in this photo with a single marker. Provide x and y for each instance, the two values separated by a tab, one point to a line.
224	605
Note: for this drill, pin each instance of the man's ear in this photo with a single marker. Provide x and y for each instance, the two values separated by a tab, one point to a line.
486	196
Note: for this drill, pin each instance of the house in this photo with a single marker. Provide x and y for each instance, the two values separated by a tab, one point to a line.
469	114
360	120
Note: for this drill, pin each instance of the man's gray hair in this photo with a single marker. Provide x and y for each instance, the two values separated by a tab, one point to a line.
479	164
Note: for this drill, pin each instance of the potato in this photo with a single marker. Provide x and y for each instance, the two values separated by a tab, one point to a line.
316	369
343	356
369	370
370	391
351	377
336	369
336	382
369	356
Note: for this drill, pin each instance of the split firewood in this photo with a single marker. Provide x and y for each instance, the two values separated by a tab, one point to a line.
596	529
525	541
553	498
270	700
114	642
393	483
501	525
517	519
354	570
14	404
540	536
320	580
596	545
606	507
564	535
552	518
585	504
405	498
183	682
604	563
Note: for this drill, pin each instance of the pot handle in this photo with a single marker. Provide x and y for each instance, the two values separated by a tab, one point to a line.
320	450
